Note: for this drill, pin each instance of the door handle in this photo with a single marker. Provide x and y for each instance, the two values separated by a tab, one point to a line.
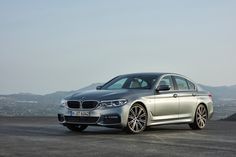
193	94
175	95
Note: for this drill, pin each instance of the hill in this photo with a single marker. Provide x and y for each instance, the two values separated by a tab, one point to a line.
26	104
221	92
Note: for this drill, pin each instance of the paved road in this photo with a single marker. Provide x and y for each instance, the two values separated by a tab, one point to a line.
44	137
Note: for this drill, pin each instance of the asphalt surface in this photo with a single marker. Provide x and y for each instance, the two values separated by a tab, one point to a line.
45	137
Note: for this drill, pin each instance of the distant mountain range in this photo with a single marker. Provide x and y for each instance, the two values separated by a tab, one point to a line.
26	104
221	92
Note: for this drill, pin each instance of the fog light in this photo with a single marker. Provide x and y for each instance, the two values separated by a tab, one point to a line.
111	119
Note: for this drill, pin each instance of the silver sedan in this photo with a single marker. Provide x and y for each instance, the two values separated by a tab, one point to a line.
135	101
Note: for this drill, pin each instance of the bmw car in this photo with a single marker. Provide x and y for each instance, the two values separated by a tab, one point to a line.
134	102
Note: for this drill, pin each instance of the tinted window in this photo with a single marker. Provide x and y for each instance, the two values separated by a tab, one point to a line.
138	83
167	80
191	85
131	82
181	83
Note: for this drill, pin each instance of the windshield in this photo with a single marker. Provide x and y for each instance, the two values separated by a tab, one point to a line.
131	82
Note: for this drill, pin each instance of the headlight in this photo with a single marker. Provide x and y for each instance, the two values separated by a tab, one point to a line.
63	103
112	103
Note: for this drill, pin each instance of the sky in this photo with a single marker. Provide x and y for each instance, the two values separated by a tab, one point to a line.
56	45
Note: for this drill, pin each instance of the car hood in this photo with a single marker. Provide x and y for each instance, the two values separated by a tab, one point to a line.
106	94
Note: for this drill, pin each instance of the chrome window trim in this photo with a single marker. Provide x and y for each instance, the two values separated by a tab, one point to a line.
164	75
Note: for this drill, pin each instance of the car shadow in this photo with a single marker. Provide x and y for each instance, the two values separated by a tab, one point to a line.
110	131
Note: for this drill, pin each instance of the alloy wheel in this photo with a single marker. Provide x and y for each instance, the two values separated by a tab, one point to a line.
137	119
201	116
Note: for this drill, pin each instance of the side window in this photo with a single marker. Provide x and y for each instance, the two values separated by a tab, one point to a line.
138	83
144	84
167	80
191	85
181	83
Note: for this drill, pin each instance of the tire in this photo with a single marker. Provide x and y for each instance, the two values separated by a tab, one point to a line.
76	128
137	119
200	118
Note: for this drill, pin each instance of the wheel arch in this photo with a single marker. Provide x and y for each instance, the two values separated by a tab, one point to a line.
202	103
141	103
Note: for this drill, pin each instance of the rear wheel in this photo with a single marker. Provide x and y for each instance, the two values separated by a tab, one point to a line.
200	118
137	120
75	127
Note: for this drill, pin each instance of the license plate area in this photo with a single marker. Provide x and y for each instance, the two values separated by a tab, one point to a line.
80	113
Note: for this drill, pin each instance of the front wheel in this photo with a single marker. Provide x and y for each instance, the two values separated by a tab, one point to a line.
200	118
137	119
77	128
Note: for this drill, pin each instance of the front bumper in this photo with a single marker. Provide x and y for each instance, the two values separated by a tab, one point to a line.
109	117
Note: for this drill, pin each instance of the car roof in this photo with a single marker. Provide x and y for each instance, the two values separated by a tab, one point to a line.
149	73
158	74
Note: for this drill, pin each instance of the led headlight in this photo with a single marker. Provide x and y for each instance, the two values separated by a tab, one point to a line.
112	103
63	103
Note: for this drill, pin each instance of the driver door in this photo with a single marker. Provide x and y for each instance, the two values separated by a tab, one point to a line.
166	102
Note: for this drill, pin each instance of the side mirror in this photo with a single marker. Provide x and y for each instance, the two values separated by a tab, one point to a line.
163	88
99	87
